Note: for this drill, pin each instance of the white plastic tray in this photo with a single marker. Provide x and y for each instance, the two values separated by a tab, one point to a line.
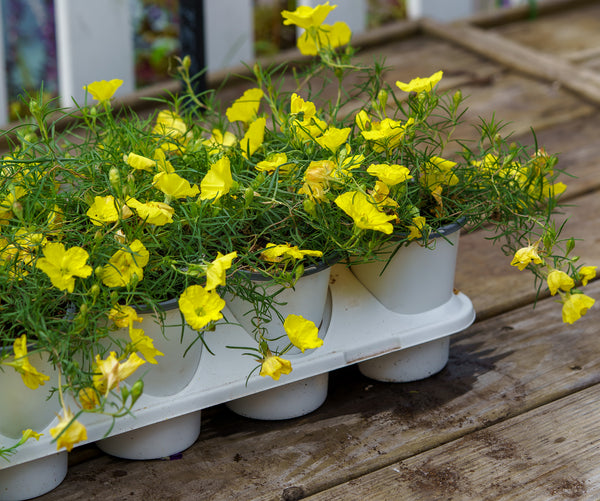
357	328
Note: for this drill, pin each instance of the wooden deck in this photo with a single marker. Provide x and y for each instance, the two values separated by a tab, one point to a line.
516	412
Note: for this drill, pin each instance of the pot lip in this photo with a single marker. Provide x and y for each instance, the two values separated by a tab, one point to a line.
449	228
442	231
325	262
168	305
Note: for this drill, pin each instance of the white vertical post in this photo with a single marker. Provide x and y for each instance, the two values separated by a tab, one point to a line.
229	29
3	75
94	41
441	10
351	12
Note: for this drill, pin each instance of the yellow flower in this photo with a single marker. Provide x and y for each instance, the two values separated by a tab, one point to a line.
105	210
362	120
416	229
245	108
389	174
200	306
174	186
30	375
273	162
575	306
380	194
124	265
300	106
302	333
333	138
310	42
275	367
170	124
218	139
139	162
254	137
29	433
162	164
559	280
587	273
526	255
88	398
123	315
364	212
157	213
102	90
421	84
71	431
110	372
6	204
62	266
217	181
278	253
217	270
144	344
305	16
386	134
438	172
309	128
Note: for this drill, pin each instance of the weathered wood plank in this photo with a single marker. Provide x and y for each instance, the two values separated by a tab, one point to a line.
560	34
499	368
582	81
551	452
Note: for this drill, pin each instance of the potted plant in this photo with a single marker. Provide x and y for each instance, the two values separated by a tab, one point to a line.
199	205
341	162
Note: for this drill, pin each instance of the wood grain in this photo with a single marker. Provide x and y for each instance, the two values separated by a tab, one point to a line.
551	452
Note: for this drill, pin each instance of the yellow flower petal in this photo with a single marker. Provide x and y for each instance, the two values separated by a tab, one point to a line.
302	333
200	306
559	280
305	16
62	266
73	432
275	367
217	270
421	84
526	255
103	90
364	212
245	108
217	181
575	306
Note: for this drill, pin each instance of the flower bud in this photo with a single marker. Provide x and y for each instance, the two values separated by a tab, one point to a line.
299	271
309	207
457	98
34	107
186	62
136	390
114	177
382	97
94	291
248	196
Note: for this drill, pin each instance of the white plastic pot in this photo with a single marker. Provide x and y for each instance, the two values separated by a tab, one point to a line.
417	278
176	368
154	441
22	407
33	478
173	373
307	298
410	364
284	402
